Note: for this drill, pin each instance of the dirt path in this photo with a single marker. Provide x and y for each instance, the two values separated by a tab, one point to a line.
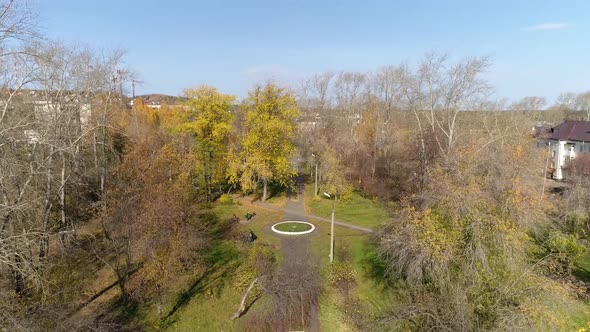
297	270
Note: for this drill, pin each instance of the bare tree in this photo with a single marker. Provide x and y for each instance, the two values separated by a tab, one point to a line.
316	91
530	104
567	100
583	104
349	88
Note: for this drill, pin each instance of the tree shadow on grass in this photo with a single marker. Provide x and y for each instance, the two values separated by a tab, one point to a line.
120	316
373	265
222	258
582	274
198	286
275	189
249	305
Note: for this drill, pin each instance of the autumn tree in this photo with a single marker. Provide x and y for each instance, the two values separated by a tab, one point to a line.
146	223
267	146
334	179
209	119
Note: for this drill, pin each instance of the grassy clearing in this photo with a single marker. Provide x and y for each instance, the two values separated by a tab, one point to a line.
278	200
293	227
370	295
356	210
260	224
209	312
214	297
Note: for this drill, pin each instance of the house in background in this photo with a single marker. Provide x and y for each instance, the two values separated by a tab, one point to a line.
565	141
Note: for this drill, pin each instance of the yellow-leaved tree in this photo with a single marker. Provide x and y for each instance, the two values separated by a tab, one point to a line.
267	143
209	120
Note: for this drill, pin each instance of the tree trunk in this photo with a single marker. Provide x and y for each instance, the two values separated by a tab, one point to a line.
242	306
43	248
208	177
103	163
264	189
19	283
62	198
121	281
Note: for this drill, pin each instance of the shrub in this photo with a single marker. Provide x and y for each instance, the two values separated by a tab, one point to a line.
226	199
566	247
577	223
259	261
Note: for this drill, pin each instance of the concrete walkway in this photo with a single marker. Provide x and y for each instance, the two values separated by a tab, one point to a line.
295	268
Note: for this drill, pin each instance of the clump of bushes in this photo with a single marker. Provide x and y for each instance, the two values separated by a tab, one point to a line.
259	261
565	246
226	199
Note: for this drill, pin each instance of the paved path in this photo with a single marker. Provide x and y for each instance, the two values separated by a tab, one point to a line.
295	266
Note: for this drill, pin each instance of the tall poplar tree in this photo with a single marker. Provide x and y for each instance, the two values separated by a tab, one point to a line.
209	120
267	146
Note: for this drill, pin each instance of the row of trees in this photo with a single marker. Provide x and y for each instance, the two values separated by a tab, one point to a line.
52	146
369	118
247	145
177	159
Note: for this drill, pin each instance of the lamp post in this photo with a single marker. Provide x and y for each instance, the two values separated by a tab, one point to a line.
331	230
315	192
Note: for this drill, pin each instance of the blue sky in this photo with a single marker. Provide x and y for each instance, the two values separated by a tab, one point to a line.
537	47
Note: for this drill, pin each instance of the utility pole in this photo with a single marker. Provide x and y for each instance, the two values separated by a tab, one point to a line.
316	179
331	229
133	83
332	237
315	192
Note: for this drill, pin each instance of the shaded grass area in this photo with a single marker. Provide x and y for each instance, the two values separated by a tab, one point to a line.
582	267
211	300
367	296
356	209
277	194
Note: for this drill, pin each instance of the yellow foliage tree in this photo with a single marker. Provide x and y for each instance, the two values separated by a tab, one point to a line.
267	145
209	120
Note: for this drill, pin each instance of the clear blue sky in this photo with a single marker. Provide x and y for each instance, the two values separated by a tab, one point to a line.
537	47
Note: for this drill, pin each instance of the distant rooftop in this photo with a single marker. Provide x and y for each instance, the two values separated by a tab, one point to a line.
570	131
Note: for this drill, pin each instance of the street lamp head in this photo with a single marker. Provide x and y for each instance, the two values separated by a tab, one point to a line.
327	195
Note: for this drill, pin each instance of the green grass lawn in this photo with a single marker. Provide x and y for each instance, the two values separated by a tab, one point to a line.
215	298
293	227
261	221
369	290
279	200
356	210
